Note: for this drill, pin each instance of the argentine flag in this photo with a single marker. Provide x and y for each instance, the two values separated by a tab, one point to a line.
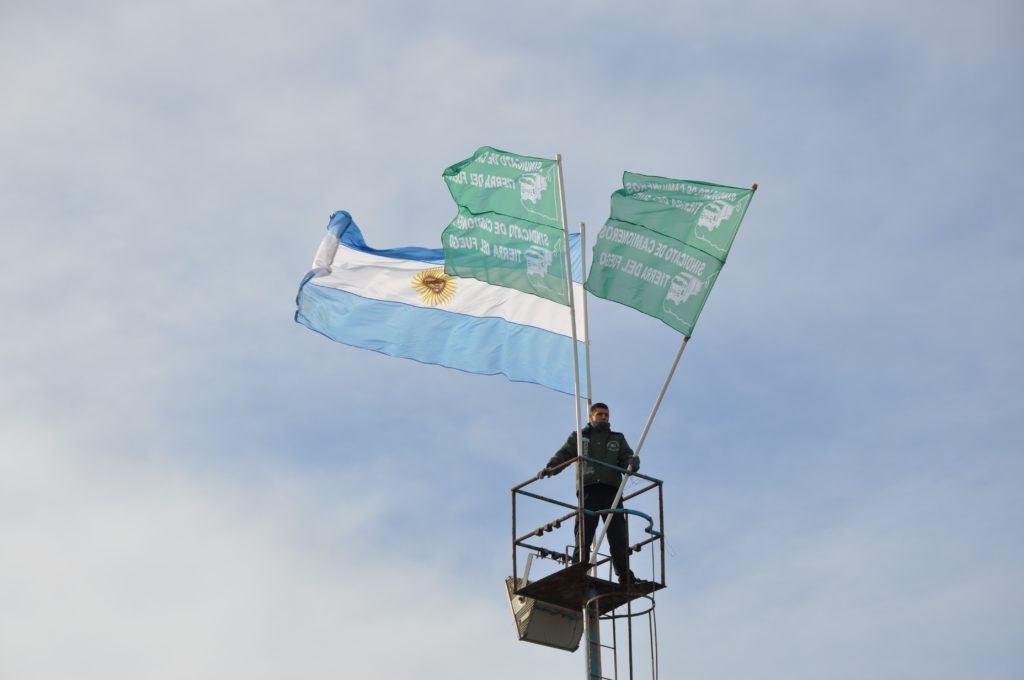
401	303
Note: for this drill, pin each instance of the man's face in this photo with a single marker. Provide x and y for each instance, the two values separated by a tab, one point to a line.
599	415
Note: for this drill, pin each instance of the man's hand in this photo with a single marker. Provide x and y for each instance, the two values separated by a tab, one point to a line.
633	464
545	472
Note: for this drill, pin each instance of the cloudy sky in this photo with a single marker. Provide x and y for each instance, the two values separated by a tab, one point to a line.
194	486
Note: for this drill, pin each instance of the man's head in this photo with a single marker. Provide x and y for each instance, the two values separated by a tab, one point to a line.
599	413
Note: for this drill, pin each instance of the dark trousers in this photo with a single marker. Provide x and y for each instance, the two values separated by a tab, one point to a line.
600	497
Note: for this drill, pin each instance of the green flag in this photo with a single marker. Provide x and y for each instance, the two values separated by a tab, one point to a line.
518	186
507	252
508	230
664	244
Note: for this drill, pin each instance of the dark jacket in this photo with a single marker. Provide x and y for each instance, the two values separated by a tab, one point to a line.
600	442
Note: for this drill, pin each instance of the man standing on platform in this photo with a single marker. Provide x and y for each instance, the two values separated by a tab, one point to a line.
600	484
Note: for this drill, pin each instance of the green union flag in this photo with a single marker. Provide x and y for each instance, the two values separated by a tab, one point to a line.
664	244
508	230
518	186
518	254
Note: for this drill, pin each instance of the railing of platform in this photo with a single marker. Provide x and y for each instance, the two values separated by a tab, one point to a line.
533	540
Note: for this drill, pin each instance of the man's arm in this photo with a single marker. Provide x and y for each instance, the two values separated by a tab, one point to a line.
563	454
625	453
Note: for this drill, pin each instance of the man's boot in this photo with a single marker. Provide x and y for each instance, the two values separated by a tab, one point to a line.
627	578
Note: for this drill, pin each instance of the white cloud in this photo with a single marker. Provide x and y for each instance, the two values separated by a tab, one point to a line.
901	582
137	568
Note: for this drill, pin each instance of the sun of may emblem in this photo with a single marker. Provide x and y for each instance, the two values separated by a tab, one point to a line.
435	287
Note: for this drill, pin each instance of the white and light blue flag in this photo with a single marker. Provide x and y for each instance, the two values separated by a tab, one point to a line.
401	303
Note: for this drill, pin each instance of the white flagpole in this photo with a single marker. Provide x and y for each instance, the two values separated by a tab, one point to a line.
661	395
575	353
591	624
650	419
636	451
586	315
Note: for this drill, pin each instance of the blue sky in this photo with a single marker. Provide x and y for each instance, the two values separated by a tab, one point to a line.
192	485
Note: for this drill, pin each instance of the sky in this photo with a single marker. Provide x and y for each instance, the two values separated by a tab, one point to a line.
194	486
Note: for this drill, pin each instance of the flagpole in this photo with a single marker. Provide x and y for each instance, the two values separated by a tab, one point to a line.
636	451
661	395
586	314
591	624
575	353
671	372
650	419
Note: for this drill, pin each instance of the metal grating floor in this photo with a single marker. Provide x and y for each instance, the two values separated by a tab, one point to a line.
572	587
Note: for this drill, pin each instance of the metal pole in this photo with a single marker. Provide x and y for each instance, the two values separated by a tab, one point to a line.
661	395
575	353
661	527
643	436
515	567
650	419
592	630
591	624
586	315
629	636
